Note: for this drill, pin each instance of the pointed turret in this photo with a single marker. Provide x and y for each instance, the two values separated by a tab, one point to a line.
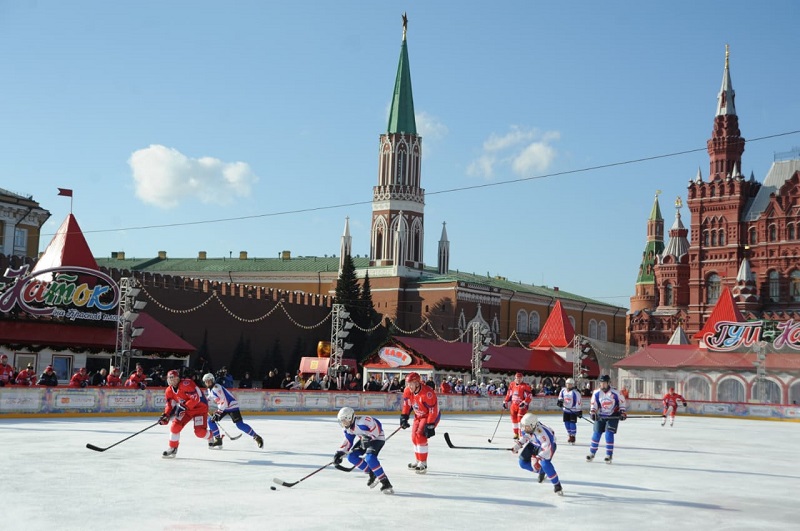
726	145
672	269
401	113
399	181
645	297
347	243
745	292
444	252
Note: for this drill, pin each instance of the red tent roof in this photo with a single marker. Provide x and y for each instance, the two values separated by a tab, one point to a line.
689	356
156	337
67	248
724	310
557	330
458	356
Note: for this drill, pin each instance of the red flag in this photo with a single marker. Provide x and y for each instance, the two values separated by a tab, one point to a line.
65	191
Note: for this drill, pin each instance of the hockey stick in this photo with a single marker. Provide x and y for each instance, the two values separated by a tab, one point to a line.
451	445
345	469
497	426
98	449
626	418
290	485
219	424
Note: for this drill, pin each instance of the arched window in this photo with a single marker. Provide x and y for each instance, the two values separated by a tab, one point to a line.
730	390
771	392
533	320
522	322
593	329
669	297
774	286
572	322
721	238
794	393
697	389
773	233
790	231
712	289
602	331
705	238
751	235
794	285
713	238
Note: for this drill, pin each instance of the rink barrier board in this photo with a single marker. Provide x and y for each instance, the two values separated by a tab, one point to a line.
22	402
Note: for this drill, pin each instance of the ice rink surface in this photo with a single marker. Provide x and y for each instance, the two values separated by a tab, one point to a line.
702	473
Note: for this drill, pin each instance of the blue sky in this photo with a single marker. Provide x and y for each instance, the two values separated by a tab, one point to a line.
172	113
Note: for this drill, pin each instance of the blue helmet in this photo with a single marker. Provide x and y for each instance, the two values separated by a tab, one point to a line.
605	378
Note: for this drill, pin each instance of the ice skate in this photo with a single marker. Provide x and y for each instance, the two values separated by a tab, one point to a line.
558	490
516	436
386	487
373	481
215	444
541	477
590	457
607	459
170	453
671	422
571	439
664	421
413	466
422	468
259	441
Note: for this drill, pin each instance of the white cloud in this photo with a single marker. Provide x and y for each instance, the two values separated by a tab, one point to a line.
429	127
164	177
525	151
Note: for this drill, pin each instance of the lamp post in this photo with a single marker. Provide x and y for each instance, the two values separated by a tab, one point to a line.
340	329
127	312
481	339
761	370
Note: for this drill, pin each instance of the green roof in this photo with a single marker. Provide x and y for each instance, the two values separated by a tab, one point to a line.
401	114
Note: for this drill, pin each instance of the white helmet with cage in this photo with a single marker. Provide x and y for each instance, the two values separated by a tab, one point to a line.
346	416
528	422
208	377
571	382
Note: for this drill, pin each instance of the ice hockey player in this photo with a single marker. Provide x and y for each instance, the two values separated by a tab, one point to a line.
569	400
426	417
671	400
537	442
363	454
185	404
518	398
226	405
607	408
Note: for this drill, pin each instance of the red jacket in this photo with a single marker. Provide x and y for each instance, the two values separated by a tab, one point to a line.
519	394
6	374
188	395
425	404
79	379
26	377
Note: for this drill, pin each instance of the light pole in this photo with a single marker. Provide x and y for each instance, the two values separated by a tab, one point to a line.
761	370
340	329
481	339
127	312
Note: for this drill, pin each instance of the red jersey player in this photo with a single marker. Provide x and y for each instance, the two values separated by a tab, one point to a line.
137	378
671	400
6	372
519	397
188	404
426	416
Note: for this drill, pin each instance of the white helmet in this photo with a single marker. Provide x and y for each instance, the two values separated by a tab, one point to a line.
346	416
570	381
209	377
528	420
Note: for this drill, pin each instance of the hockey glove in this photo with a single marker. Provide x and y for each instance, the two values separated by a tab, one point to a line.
338	456
560	403
594	417
179	410
580	414
430	430
404	422
685	404
516	448
537	466
623	416
505	405
217	416
163	419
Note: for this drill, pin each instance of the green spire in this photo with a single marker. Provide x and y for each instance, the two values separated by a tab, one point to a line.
654	246
401	115
655	215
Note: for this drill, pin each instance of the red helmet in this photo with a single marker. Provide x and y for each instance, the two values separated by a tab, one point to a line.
671	389
413	377
518	375
174	373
